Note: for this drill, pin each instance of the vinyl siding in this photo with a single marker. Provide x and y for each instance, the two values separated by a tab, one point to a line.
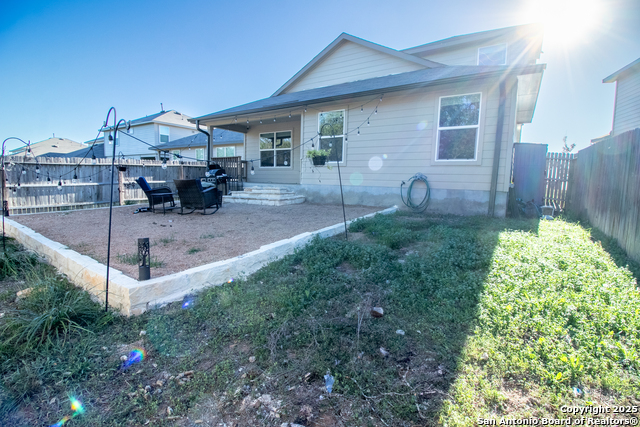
518	51
276	175
627	108
404	131
351	62
190	155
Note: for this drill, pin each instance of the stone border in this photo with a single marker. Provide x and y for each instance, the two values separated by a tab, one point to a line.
133	297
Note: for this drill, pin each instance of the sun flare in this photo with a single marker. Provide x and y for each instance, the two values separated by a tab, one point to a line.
565	22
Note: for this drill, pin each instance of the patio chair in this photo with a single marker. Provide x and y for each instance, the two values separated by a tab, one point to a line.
156	196
193	196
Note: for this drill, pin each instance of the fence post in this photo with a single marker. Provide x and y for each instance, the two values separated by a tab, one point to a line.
121	194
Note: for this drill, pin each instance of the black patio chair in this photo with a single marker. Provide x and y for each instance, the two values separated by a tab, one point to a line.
193	196
156	196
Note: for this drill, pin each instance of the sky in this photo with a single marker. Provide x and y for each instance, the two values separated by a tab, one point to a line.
66	62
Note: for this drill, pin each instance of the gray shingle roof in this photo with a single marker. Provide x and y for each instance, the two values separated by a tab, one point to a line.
98	150
219	137
377	85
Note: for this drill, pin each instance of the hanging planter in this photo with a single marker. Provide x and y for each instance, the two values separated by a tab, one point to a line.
318	157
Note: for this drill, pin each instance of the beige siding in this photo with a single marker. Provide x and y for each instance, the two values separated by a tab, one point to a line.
627	108
350	62
518	51
276	175
403	136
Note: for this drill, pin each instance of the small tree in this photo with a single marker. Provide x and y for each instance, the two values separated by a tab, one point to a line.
567	148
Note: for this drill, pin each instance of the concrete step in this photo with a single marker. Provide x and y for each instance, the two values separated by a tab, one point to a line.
275	201
265	195
275	190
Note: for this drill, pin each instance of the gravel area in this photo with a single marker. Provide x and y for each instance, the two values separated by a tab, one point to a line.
180	242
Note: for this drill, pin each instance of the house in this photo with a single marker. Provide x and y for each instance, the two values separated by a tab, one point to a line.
90	149
49	147
224	143
449	109
147	131
626	107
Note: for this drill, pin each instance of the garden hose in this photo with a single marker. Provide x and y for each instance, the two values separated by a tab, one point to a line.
420	207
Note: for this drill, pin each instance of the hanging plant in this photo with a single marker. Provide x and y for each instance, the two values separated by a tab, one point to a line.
318	157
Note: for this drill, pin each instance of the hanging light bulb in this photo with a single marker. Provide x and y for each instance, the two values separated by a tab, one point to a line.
93	159
358	131
18	183
235	120
362	108
368	122
60	185
14	189
37	177
289	114
286	163
274	119
48	177
260	120
253	172
247	121
346	138
381	98
164	164
75	178
24	171
312	146
375	111
305	108
37	170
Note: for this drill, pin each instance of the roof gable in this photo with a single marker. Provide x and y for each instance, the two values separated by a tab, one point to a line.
389	61
629	68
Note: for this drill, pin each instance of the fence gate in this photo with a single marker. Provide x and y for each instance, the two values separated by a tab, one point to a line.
558	165
529	168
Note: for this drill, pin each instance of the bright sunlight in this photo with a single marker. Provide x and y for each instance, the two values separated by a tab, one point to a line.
565	21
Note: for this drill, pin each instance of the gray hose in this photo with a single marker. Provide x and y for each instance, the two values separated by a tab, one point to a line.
422	206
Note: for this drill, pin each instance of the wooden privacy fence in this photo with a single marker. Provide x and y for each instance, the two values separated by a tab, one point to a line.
29	189
604	188
557	177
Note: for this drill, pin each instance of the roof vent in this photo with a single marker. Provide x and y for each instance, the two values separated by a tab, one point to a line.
61	139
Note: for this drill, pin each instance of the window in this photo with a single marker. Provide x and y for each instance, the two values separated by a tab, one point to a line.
275	149
176	154
458	124
199	153
493	55
331	130
225	151
164	134
109	136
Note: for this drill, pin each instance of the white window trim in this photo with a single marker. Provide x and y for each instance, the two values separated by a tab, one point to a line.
203	150
274	149
231	146
506	52
344	128
438	128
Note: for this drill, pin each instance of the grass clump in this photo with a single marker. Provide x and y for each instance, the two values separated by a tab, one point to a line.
132	259
193	250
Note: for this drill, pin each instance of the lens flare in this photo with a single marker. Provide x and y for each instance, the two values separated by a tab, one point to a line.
61	422
136	356
188	301
230	280
384	156
76	406
375	163
356	178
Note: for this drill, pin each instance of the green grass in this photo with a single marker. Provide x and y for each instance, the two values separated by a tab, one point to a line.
500	318
193	250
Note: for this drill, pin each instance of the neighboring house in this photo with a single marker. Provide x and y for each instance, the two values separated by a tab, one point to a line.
155	129
626	108
388	114
224	143
50	147
90	149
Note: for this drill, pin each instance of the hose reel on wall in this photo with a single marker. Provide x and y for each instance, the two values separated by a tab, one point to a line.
419	207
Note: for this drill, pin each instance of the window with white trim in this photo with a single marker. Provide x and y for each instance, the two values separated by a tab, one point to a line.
275	149
199	153
176	154
458	127
164	134
225	151
331	130
493	55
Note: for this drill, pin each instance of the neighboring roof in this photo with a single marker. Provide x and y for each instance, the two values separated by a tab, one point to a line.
459	41
219	137
633	67
348	37
98	151
377	85
50	145
151	118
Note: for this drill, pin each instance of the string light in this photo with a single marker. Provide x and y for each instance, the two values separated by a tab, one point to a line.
37	170
260	120
358	131
274	119
164	163
289	114
253	172
375	111
60	184
368	122
305	108
247	121
362	108
75	178
48	177
93	158
24	171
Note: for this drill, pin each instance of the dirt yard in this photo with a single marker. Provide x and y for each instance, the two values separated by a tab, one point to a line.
180	242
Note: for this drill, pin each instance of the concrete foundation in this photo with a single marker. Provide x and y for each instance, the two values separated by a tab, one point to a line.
131	296
457	202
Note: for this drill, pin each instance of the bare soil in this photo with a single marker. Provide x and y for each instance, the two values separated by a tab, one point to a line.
179	242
